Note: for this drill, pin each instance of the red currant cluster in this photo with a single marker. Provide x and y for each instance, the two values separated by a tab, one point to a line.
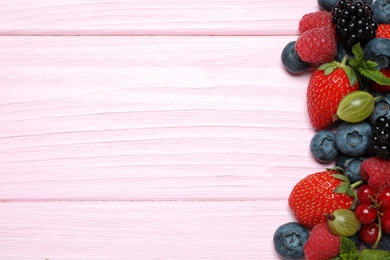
373	212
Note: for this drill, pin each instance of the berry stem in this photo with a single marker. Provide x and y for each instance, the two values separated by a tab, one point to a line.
379	231
329	216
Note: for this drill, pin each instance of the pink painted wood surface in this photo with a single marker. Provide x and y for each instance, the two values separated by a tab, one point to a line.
172	17
125	136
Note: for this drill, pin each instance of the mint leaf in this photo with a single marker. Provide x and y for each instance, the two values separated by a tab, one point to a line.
374	74
358	51
348	250
367	68
367	254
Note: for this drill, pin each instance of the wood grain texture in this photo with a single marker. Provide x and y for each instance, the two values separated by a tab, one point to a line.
148	129
121	124
138	230
157	17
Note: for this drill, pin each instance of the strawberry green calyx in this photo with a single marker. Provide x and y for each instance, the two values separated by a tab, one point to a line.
328	68
346	186
367	68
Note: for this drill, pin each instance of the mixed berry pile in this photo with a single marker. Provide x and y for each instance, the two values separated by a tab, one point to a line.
343	212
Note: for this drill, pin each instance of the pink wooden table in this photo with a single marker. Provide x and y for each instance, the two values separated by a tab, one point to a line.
148	129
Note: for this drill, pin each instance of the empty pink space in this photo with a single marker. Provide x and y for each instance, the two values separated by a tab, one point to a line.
148	130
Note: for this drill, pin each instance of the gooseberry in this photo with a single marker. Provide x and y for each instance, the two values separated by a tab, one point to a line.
343	222
356	106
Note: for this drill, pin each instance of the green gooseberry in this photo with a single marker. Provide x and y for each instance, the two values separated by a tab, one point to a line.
356	106
343	222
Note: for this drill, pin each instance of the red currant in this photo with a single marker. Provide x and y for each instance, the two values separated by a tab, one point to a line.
385	219
384	197
369	233
366	213
366	193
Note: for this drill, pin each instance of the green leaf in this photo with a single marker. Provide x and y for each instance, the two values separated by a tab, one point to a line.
351	74
367	254
342	188
341	177
376	75
358	51
348	250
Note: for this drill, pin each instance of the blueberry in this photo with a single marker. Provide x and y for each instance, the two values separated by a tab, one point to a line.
323	146
291	61
378	50
342	52
382	108
289	240
381	11
329	4
353	139
351	165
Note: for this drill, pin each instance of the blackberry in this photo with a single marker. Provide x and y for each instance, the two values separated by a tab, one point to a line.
354	22
380	139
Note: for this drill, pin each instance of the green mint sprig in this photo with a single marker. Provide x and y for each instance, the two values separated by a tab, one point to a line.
348	251
367	68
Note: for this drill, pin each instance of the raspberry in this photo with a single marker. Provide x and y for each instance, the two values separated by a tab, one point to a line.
317	45
322	244
383	31
376	172
316	20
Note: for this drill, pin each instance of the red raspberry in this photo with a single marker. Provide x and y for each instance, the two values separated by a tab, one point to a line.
317	46
376	172
316	20
383	31
322	244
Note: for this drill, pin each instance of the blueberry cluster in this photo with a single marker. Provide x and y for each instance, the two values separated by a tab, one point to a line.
354	22
380	143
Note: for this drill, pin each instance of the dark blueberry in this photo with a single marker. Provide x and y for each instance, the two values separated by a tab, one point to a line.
351	165
382	108
289	240
327	4
378	50
291	60
323	146
342	52
353	139
381	11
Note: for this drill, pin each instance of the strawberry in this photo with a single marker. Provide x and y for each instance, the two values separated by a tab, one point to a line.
382	88
329	83
316	195
317	45
383	31
376	172
316	20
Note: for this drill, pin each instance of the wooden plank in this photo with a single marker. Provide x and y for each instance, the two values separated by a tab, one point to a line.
155	17
140	230
82	119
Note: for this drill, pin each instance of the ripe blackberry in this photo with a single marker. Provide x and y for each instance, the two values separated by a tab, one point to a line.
354	22
380	139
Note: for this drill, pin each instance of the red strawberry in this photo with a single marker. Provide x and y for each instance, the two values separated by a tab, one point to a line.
315	195
382	88
327	86
376	172
322	244
317	45
316	20
383	31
